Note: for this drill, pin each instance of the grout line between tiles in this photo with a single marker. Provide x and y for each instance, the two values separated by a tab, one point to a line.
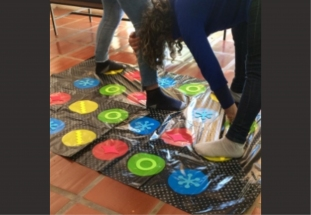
78	198
156	208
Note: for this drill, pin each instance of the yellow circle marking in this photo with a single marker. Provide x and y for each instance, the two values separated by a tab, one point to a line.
113	72
83	106
213	96
78	138
218	159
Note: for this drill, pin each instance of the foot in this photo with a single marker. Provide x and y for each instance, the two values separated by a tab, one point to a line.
231	112
220	148
108	65
157	99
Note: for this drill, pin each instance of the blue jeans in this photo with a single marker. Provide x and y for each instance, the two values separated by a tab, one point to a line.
113	12
250	103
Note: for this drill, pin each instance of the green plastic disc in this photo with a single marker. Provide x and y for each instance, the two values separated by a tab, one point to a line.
112	90
143	164
113	116
192	89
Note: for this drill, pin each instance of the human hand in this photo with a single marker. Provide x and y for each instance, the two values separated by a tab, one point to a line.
134	41
231	112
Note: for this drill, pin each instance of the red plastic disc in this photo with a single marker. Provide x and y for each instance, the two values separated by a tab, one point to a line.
59	98
178	137
110	149
132	76
137	97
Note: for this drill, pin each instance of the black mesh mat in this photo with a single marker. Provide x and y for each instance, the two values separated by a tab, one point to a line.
232	185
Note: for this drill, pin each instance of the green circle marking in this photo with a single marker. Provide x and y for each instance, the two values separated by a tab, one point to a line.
192	89
112	90
117	115
143	164
139	165
113	116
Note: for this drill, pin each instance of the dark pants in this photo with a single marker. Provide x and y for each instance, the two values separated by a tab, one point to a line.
248	73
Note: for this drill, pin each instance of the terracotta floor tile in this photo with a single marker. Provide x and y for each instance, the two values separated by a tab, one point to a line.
224	59
190	69
84	53
256	211
58	11
63	32
168	209
63	47
124	33
224	46
124	57
69	175
57	202
118	43
63	21
81	209
121	198
82	37
60	64
81	24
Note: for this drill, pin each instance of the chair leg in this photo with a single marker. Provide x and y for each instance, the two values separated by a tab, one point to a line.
225	32
53	21
90	17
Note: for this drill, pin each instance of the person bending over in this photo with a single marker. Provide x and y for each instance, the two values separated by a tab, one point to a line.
113	12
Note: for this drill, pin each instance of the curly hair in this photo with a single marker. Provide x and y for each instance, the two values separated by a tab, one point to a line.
156	32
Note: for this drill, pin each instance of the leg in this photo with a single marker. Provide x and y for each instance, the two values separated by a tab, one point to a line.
240	42
109	23
232	144
155	97
251	99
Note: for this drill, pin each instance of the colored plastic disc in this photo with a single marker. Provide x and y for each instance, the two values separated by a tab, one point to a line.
218	159
188	182
204	114
113	115
78	138
132	76
144	125
56	125
213	97
178	137
166	82
86	83
114	72
192	89
110	149
143	164
83	106
59	98
137	97
112	89
252	129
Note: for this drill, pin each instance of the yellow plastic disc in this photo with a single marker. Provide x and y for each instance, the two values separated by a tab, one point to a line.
78	138
218	159
213	97
113	72
83	106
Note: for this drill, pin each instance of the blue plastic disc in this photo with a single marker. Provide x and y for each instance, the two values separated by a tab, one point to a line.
56	125
166	82
86	83
144	125
204	114
188	182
